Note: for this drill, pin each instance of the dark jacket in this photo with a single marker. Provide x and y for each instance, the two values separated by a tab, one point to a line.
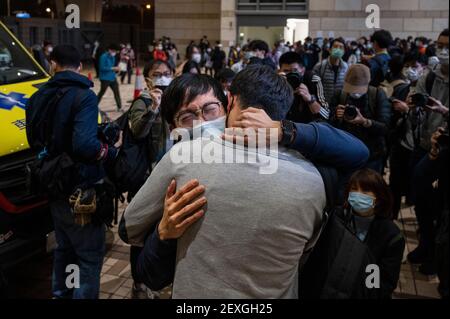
386	244
375	136
300	111
75	127
317	141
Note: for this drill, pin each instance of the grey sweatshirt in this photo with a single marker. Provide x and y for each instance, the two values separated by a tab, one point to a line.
255	228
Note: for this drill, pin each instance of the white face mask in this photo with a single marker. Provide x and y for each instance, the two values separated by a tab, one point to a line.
412	74
356	96
442	55
128	46
50	49
196	57
205	129
162	81
113	54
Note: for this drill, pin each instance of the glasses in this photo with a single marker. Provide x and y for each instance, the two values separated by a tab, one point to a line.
209	112
159	74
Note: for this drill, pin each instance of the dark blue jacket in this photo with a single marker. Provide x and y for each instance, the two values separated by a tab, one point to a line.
75	122
320	142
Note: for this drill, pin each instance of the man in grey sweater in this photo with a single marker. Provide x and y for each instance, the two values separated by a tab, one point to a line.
256	226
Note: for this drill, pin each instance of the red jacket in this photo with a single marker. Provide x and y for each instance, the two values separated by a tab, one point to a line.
159	55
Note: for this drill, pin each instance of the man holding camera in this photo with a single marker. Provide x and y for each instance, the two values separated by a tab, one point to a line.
62	125
363	111
429	111
309	101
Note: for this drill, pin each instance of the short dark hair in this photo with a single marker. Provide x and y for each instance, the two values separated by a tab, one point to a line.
184	89
261	87
154	64
383	38
444	33
396	65
370	181
342	41
225	75
66	56
114	47
258	45
412	56
290	58
189	65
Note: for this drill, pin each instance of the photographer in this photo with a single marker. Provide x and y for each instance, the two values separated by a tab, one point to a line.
332	70
429	111
433	218
403	80
365	112
309	101
67	108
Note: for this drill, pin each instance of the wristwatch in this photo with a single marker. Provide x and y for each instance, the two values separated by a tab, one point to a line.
313	100
289	132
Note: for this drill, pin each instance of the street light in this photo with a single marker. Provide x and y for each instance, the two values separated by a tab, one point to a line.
148	6
48	10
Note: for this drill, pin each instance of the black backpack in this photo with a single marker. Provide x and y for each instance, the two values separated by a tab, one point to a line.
131	166
335	267
51	173
57	174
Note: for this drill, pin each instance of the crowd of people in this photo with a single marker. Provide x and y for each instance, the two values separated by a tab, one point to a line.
350	115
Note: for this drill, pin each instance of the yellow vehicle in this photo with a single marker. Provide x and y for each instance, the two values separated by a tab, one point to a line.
24	218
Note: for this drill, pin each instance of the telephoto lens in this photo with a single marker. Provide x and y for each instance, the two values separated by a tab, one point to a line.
350	112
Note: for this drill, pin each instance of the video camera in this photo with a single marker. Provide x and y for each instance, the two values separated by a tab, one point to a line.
109	133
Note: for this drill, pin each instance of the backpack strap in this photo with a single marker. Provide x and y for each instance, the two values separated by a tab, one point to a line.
49	116
373	99
330	180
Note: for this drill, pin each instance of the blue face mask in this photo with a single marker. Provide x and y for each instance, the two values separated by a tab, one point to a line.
361	203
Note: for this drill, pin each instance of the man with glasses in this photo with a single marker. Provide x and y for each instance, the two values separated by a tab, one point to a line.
242	232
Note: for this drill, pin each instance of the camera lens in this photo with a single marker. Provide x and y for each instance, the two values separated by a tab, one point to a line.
294	79
350	113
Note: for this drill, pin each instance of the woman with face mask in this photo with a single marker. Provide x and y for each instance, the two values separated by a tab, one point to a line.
367	211
147	125
193	54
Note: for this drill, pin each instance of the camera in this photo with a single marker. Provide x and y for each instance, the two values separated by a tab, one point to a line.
350	112
294	79
420	100
109	133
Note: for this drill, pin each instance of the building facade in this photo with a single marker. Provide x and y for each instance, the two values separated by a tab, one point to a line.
233	21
